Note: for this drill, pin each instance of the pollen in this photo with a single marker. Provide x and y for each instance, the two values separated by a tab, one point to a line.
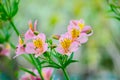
38	43
66	44
75	33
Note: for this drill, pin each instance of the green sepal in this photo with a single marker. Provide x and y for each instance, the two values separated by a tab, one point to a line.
53	66
28	71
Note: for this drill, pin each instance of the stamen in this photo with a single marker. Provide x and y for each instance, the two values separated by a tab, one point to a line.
38	43
66	44
75	33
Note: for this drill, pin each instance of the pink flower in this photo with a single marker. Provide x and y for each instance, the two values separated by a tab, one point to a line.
20	48
30	33
38	46
66	46
46	72
83	28
4	50
79	32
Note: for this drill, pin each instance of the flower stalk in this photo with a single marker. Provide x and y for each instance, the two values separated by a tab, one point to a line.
14	27
37	65
65	74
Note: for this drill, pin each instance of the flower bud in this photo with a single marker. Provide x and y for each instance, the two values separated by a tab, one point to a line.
36	32
57	37
53	46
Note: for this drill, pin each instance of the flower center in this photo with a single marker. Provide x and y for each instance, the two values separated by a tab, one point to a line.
66	44
38	43
75	33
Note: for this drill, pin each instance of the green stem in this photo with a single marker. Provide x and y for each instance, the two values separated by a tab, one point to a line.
65	74
37	66
14	27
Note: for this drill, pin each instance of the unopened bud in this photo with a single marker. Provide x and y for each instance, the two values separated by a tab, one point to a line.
57	37
36	32
53	46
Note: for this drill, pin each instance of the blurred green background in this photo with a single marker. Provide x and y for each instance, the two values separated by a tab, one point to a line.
99	58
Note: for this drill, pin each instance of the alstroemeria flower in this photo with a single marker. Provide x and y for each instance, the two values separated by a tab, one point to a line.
20	48
77	35
30	33
47	73
66	46
83	28
4	49
38	46
79	32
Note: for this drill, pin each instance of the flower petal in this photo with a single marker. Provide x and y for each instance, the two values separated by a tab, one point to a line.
74	47
30	48
29	35
60	49
83	38
88	30
47	72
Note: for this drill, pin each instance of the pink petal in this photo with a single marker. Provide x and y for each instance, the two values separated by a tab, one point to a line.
76	22
66	35
29	35
83	38
81	21
70	27
20	50
74	47
35	24
30	48
73	22
87	29
41	36
39	51
45	47
5	52
47	72
60	49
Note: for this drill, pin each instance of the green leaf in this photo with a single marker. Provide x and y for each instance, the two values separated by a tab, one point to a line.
2	39
71	56
53	66
69	62
72	61
46	54
28	71
14	7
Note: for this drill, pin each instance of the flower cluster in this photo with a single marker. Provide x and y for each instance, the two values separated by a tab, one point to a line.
33	43
76	35
43	53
